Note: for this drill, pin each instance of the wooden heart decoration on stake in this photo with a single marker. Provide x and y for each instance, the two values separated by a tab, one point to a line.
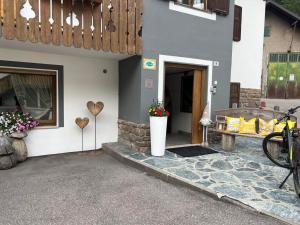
95	108
82	123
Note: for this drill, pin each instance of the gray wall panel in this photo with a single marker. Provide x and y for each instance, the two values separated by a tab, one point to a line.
130	89
173	33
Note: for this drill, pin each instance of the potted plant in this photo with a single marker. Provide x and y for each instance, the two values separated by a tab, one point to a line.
158	128
15	125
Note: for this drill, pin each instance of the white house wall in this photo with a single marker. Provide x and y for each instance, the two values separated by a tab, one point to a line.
247	54
83	81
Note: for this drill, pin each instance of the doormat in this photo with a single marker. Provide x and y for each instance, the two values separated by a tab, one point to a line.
192	151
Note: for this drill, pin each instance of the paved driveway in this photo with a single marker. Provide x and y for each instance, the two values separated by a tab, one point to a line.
77	189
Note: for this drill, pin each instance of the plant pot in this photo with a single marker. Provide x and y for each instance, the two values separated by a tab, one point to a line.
7	154
19	145
158	131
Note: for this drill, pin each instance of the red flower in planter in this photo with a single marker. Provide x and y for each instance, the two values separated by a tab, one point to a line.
158	110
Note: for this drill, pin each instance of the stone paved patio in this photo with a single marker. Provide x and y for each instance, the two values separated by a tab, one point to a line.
95	189
246	176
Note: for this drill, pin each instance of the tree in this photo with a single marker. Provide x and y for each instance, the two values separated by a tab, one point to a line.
292	5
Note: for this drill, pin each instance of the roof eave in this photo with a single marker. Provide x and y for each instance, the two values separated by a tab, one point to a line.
284	11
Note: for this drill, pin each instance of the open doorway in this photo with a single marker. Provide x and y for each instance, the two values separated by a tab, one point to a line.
185	98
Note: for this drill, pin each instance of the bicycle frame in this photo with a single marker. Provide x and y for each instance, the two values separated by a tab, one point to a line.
290	146
289	139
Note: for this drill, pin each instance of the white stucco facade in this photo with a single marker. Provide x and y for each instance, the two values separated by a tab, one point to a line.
83	81
247	54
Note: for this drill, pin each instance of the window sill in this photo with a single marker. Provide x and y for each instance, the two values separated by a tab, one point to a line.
192	11
46	127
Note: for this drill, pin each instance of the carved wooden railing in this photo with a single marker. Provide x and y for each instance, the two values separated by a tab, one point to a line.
107	25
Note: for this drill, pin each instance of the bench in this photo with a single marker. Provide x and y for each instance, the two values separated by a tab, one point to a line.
228	138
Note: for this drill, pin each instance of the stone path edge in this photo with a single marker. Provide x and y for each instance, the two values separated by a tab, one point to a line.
175	180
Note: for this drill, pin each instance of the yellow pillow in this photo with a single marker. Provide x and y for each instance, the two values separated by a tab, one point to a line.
279	127
233	124
292	124
265	128
248	127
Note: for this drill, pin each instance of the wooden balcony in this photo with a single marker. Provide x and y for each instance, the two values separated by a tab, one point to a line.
102	25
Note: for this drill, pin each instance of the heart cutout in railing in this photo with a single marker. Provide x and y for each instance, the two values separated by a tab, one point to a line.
82	123
95	108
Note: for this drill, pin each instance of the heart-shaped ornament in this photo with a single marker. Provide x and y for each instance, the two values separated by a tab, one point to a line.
95	108
82	123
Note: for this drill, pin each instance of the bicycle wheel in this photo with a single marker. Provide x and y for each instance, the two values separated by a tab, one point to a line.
276	150
296	164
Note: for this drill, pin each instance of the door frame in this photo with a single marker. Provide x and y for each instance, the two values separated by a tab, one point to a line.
199	96
199	86
164	59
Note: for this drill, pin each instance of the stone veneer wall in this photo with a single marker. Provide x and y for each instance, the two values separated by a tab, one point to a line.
135	135
250	98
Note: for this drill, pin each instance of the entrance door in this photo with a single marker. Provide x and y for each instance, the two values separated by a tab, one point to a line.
186	88
198	105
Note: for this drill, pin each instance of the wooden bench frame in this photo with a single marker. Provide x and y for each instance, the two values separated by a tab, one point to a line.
228	142
228	138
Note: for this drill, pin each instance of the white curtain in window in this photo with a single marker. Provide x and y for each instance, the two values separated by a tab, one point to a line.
33	93
4	84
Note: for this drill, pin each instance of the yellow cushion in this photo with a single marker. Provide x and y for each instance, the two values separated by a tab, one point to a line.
248	127
291	124
265	128
233	124
279	127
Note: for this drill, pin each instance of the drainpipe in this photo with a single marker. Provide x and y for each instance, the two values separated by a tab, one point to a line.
294	25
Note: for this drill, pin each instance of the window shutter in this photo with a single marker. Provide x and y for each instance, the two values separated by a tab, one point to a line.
211	5
219	6
237	30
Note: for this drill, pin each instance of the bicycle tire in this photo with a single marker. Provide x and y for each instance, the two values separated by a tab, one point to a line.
265	148
296	176
296	171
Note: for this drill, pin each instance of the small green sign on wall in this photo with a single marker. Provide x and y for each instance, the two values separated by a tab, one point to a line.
149	64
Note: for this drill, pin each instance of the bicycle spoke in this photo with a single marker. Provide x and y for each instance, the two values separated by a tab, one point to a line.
276	150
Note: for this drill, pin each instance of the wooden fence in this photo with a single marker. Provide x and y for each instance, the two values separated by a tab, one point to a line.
107	25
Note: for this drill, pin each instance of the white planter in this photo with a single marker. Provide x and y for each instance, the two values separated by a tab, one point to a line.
158	132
